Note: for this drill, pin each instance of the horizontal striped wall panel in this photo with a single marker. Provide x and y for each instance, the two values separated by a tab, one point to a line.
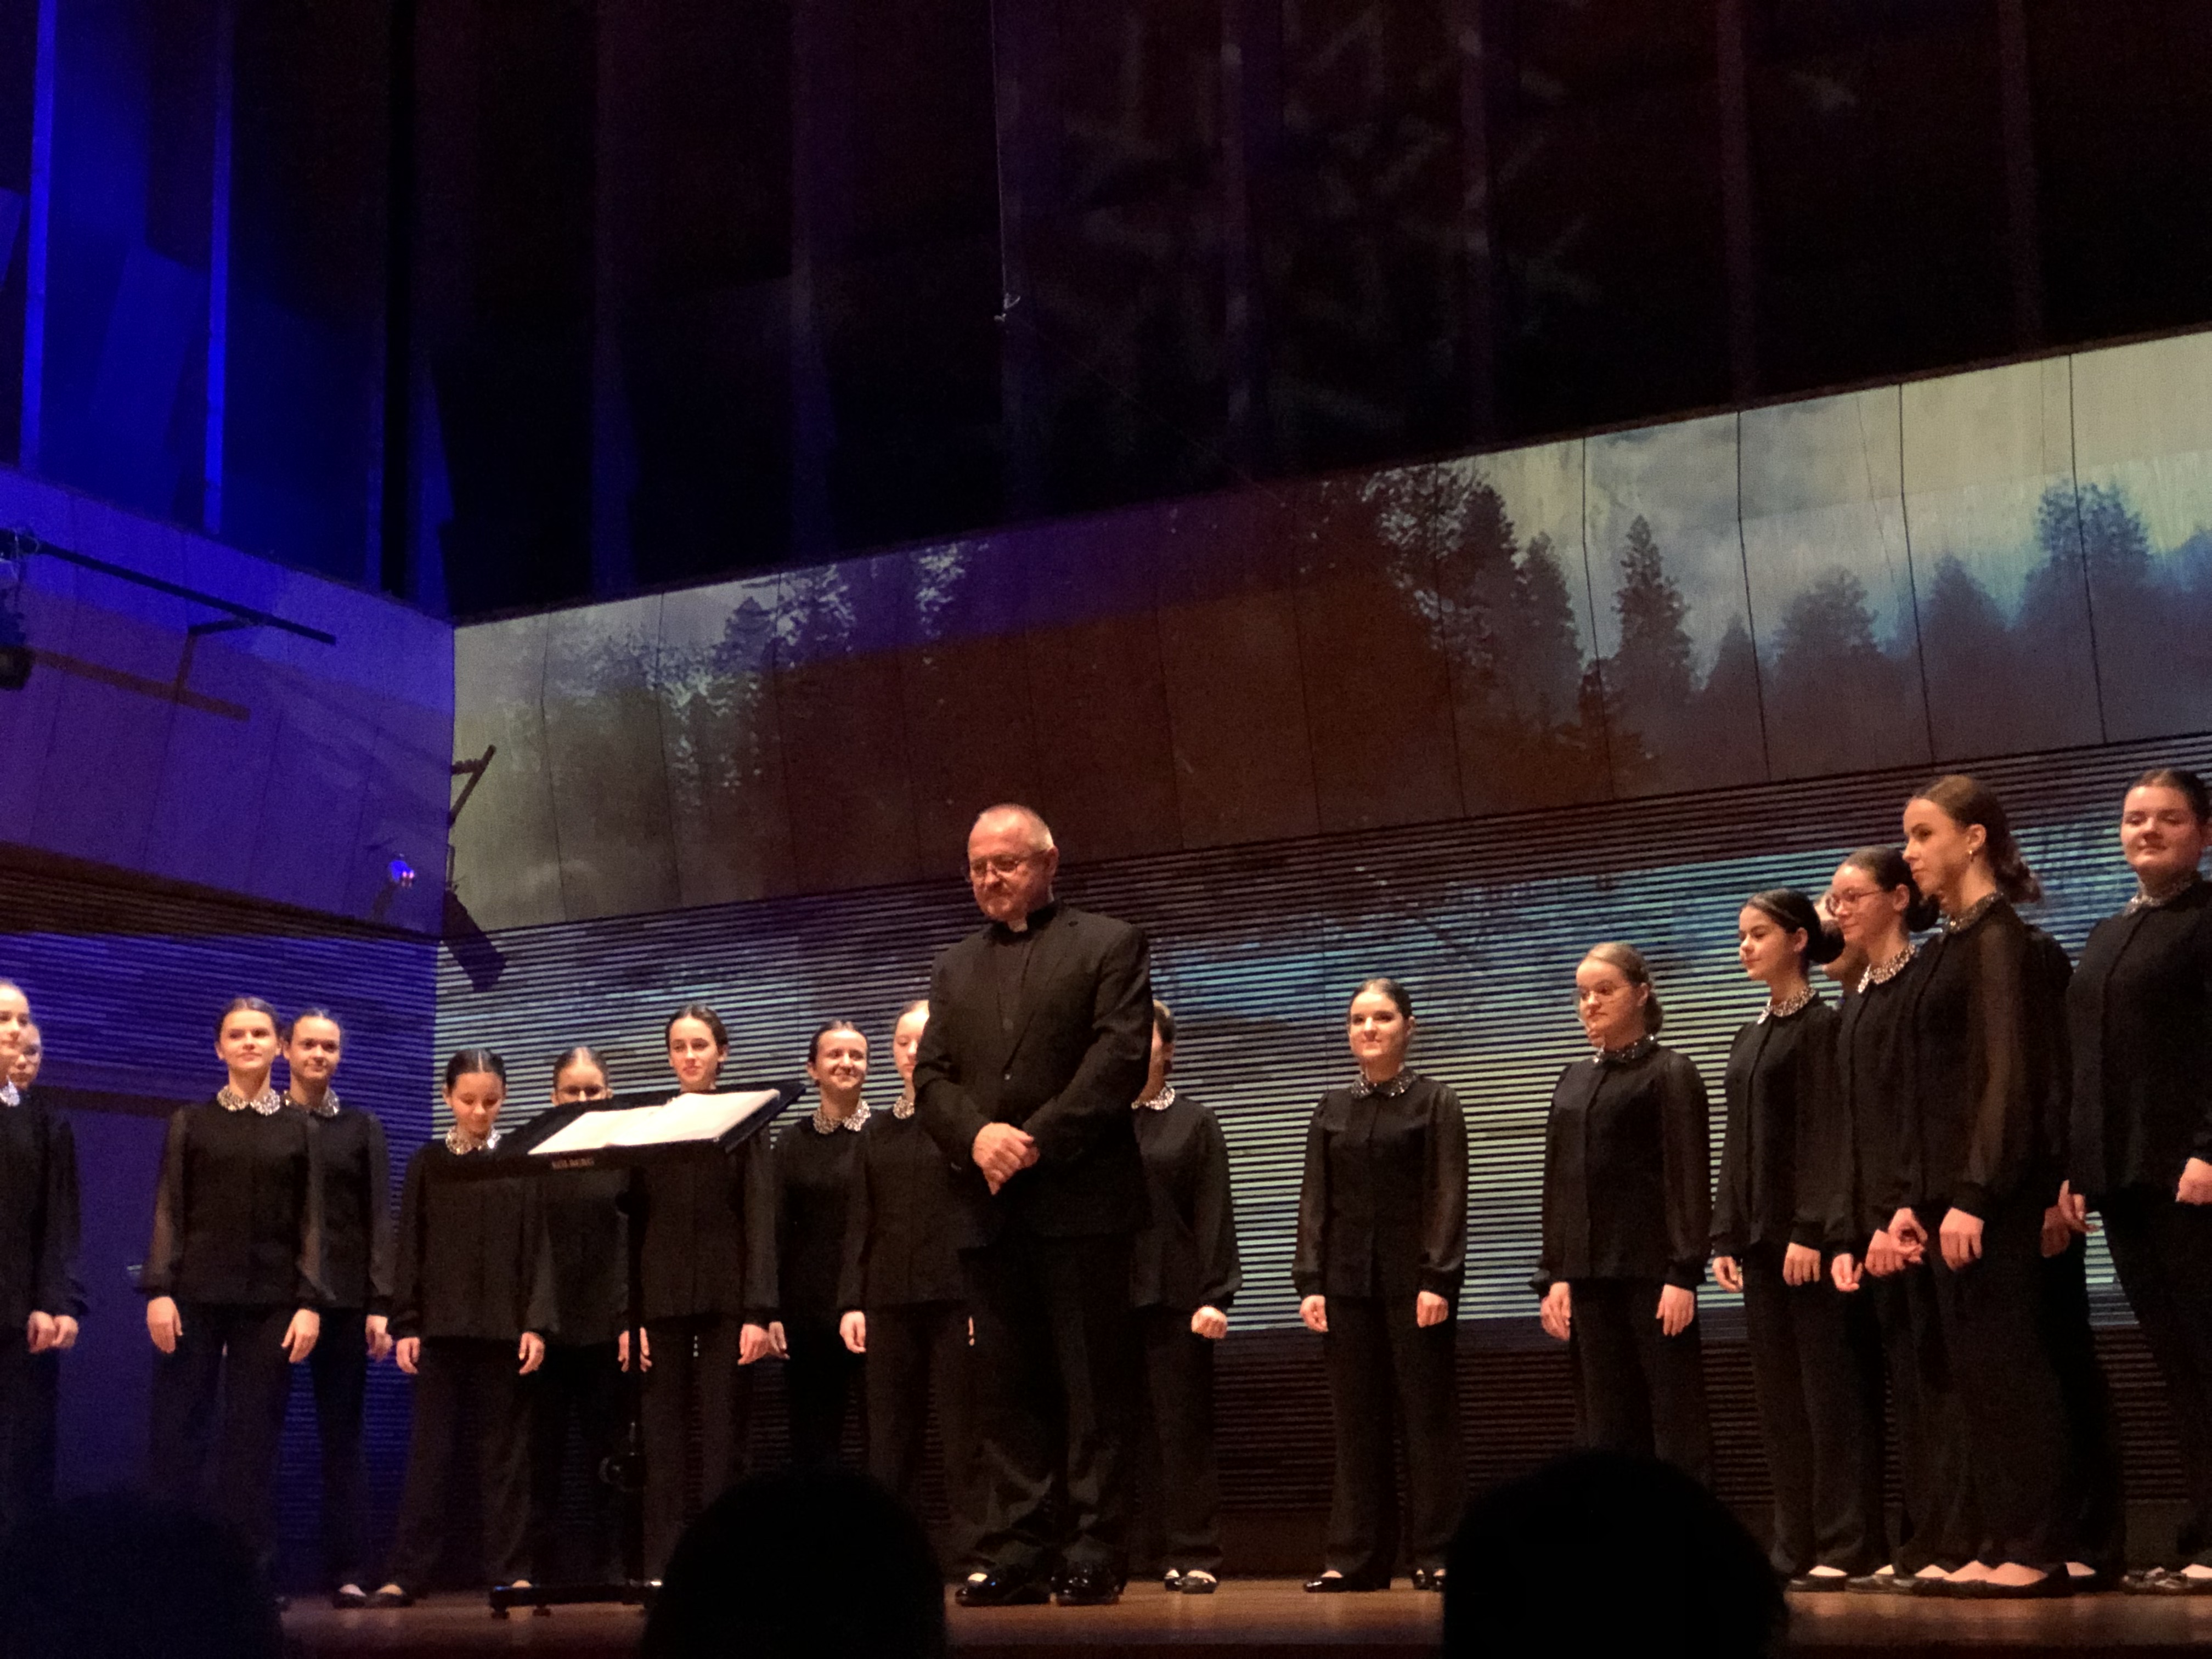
1258	948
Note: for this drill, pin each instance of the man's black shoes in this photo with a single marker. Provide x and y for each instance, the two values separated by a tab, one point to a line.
1087	1585
1002	1588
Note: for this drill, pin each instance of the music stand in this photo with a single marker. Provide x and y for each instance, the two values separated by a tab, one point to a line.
625	1470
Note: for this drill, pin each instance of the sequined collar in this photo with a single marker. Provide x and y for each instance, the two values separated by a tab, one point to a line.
2149	899
826	1125
1972	914
1631	1053
1389	1088
1160	1101
328	1107
1880	973
903	1107
267	1103
9	1093
1803	999
460	1145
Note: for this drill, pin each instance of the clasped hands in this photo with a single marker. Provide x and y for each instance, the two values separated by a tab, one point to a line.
1002	1151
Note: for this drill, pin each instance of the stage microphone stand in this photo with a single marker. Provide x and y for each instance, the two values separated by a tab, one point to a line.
625	1470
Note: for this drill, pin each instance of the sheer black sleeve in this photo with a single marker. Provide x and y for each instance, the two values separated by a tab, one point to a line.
380	1236
1221	1272
1312	1213
1823	1134
757	1188
165	1250
2001	1112
58	1289
852	1273
1444	1225
1731	1226
1685	1125
407	1264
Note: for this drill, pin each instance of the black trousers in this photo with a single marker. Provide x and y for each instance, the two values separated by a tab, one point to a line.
338	1368
1178	1510
2095	1504
223	1391
1939	1526
1816	1371
1385	1370
2162	1250
29	1396
465	1390
695	1379
1637	1390
918	1351
2016	1425
1056	1385
819	1372
580	1383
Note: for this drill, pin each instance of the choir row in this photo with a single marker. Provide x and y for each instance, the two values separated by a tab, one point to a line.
1903	1196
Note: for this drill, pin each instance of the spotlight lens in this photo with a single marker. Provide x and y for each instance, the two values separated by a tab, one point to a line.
400	871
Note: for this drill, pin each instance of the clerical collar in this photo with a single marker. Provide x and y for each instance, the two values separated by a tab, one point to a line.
2154	898
1038	918
1972	914
267	1103
1389	1088
460	1143
1880	973
328	1107
9	1093
1160	1101
1629	1054
903	1107
1796	1003
826	1125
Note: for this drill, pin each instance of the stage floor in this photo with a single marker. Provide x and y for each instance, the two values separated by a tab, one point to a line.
1275	1614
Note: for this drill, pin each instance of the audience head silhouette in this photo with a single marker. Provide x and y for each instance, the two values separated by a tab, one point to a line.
1682	1575
121	1576
816	1564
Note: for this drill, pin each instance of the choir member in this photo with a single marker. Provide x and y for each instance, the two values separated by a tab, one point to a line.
1627	1220
580	1382
1186	1273
2139	1009
710	1290
41	1300
357	1277
1035	1045
1381	1245
905	1304
1819	1397
472	1296
1980	1170
1877	908
233	1280
817	1159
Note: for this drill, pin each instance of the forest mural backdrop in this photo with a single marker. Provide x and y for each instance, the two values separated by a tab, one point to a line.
2011	559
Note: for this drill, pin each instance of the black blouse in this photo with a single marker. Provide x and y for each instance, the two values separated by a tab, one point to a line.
814	1190
1783	1109
1986	1033
237	1210
1185	1257
2140	1013
1383	1208
474	1259
904	1223
710	1235
357	1237
1628	1172
38	1214
590	1253
1864	1176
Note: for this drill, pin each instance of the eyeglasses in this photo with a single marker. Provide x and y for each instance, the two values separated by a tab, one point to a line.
1842	898
1002	864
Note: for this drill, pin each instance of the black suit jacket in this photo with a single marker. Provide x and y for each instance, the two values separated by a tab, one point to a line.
38	1215
1077	1055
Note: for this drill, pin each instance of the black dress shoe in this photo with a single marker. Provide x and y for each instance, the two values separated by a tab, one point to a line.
1429	1579
1199	1582
1002	1588
352	1596
1344	1583
1087	1586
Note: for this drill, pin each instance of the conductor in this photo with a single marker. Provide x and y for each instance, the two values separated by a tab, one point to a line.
1039	1035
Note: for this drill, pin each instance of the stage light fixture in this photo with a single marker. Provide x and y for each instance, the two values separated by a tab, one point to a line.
400	873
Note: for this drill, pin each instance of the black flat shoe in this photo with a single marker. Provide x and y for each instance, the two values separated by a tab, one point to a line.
2052	1586
1344	1583
1880	1583
1199	1582
1087	1587
1002	1589
1431	1579
1818	1584
391	1597
2166	1582
352	1596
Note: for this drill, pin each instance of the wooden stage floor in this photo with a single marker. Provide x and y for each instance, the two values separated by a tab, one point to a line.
1275	1614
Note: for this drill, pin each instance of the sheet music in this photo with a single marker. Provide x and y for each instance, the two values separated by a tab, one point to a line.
686	1118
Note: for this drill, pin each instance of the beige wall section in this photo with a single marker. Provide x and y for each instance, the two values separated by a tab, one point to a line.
1840	576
